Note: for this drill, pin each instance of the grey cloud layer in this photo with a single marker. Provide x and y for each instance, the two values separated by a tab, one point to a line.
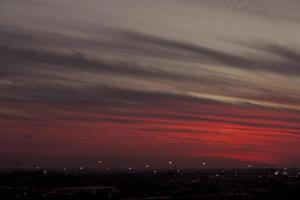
26	59
38	65
267	9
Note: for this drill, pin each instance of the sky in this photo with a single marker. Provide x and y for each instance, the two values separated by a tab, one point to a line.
131	82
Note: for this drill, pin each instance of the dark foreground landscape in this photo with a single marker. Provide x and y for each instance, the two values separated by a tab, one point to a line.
150	184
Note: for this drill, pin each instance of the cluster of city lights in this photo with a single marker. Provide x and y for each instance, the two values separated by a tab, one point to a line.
170	163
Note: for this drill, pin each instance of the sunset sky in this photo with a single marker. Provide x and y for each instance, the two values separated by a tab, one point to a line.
131	82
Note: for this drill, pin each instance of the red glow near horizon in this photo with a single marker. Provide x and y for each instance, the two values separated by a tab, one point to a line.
217	131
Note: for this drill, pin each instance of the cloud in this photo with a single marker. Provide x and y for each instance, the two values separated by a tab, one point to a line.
265	9
54	77
26	60
116	86
27	136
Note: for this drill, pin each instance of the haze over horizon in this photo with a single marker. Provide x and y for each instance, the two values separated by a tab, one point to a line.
131	82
